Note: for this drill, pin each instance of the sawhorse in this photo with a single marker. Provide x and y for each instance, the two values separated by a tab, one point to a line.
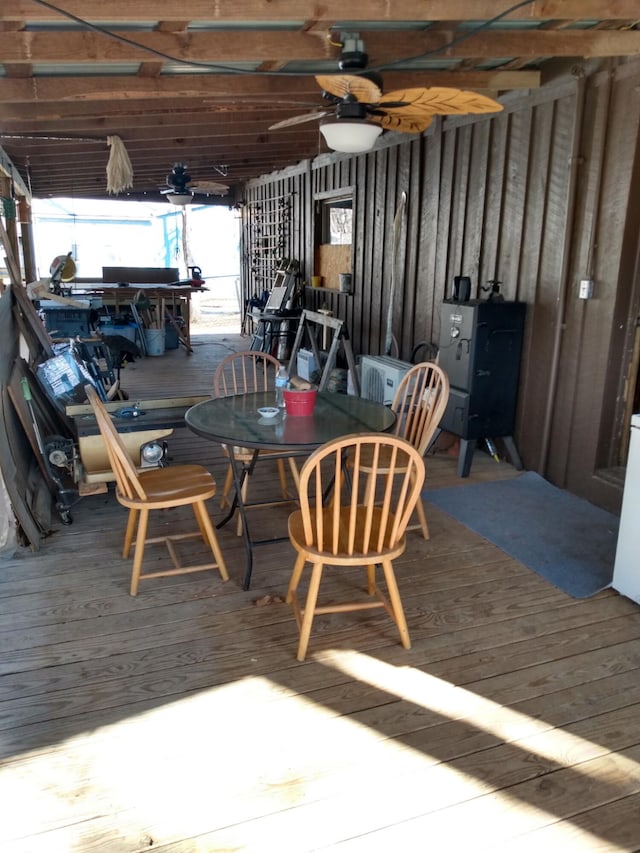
309	321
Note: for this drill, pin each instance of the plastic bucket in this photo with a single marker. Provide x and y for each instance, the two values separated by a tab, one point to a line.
300	403
154	341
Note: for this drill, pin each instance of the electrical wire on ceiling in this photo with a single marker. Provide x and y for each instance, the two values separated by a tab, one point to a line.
244	71
457	40
46	138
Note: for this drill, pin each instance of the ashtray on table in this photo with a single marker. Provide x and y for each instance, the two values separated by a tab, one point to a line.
268	411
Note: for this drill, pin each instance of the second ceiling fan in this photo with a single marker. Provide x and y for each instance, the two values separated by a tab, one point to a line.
360	111
180	189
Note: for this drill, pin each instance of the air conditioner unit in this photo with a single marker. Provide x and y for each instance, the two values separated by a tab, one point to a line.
380	376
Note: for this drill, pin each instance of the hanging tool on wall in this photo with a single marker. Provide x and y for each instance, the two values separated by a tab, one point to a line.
395	255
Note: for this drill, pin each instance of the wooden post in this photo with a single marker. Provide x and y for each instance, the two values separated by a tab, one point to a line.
28	248
11	245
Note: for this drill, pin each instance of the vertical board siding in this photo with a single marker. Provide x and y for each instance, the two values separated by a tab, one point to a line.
491	198
554	260
534	381
442	232
429	317
615	205
478	169
493	221
410	184
515	200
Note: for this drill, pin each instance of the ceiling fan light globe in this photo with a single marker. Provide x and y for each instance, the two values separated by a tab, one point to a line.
180	198
350	137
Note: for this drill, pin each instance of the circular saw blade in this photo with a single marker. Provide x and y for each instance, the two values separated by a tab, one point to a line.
340	85
64	266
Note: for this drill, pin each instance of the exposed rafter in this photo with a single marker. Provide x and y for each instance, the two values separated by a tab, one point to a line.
203	82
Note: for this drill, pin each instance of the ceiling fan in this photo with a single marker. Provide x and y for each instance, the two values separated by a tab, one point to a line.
360	111
180	190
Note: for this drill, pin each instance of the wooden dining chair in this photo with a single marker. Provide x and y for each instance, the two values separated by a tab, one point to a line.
242	373
153	489
419	404
352	530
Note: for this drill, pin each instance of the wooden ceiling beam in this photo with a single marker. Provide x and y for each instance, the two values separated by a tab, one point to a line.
149	136
88	114
240	171
262	46
203	155
200	150
179	128
230	88
329	11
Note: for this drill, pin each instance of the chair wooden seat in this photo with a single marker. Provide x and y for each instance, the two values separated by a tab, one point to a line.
153	489
352	530
360	522
174	486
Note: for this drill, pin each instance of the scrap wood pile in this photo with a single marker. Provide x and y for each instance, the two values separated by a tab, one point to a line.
37	438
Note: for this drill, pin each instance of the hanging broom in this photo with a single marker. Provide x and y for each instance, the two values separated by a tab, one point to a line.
119	169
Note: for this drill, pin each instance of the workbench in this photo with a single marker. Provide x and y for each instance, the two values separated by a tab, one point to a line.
170	302
168	299
157	420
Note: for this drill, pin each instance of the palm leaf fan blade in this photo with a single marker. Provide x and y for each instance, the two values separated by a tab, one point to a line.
301	119
209	187
341	85
403	119
439	100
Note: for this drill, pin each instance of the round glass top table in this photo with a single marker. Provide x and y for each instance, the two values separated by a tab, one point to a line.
235	421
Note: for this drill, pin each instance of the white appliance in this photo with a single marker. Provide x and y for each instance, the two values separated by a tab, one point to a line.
306	364
380	376
626	570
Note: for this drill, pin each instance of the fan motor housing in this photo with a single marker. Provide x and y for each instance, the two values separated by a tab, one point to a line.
350	108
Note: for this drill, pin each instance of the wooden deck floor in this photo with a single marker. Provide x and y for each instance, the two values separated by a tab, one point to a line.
180	720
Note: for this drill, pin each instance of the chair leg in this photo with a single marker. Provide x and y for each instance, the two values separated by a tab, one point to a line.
396	603
201	528
295	473
309	610
370	489
228	483
371	579
295	576
138	554
423	518
209	535
245	494
130	531
282	474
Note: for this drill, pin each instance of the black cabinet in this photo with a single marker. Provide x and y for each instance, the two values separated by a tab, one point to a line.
480	349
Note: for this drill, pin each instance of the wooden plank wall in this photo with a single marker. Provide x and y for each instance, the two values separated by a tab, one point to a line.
537	197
